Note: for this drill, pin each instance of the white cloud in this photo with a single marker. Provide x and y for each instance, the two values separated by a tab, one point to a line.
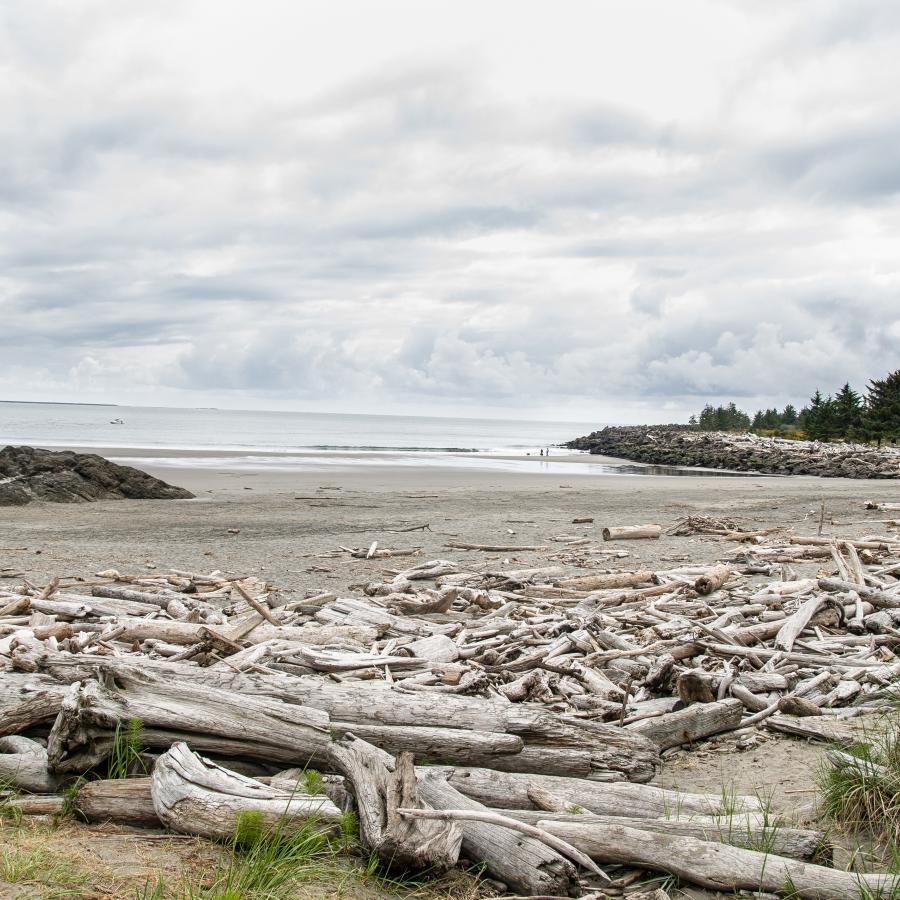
617	210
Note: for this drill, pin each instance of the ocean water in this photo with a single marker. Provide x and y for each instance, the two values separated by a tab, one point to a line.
258	440
252	431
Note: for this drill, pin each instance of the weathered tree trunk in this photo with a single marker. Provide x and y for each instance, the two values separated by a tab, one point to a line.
23	764
90	711
27	700
632	533
686	725
192	795
712	580
508	790
720	867
36	804
381	785
135	629
125	800
526	865
475	747
738	830
601	581
879	599
553	744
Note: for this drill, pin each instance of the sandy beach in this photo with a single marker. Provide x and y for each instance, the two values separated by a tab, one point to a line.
287	527
280	523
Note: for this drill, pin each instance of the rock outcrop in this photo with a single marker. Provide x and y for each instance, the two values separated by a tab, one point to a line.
29	473
678	446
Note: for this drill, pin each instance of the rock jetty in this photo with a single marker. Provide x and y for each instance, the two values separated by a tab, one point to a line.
680	446
29	473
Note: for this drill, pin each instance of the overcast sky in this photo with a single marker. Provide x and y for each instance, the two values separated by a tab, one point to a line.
610	211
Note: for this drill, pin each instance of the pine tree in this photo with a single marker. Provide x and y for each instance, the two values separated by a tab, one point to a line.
789	415
827	425
812	416
847	411
882	417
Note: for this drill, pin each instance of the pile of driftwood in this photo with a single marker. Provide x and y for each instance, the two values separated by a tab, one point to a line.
676	445
513	716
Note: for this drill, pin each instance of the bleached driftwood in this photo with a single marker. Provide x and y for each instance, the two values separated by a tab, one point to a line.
632	532
720	867
508	790
526	865
381	785
23	764
691	723
192	795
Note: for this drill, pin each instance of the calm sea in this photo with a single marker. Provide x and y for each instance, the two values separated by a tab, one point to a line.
74	425
290	441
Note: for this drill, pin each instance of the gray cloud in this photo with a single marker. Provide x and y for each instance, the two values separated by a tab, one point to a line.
439	231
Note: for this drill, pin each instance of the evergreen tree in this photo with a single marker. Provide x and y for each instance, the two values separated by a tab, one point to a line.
847	411
813	415
827	424
882	417
789	415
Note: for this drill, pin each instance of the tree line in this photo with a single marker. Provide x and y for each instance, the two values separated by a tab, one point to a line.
845	415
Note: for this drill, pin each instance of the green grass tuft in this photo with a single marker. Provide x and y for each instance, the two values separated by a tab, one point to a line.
125	756
311	782
866	794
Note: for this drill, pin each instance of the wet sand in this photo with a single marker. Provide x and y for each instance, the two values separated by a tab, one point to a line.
288	522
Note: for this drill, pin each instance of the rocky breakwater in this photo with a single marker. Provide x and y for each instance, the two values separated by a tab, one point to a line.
680	446
29	473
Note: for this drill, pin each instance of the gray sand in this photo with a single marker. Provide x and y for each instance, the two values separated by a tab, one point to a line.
287	520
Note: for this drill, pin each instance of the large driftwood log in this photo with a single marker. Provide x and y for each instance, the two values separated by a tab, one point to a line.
526	865
27	700
23	764
134	629
603	580
192	795
492	817
381	785
79	737
477	747
691	723
128	801
720	867
632	532
712	580
36	804
508	790
554	744
822	728
879	599
739	830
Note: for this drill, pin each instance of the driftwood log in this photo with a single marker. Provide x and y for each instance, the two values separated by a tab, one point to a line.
125	800
23	764
720	867
507	790
192	795
525	864
381	785
632	533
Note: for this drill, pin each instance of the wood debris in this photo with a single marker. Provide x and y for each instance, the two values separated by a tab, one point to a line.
514	715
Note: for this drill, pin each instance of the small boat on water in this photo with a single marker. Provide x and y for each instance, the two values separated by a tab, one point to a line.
116	421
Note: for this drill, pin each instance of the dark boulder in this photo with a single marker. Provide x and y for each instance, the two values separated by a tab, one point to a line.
61	476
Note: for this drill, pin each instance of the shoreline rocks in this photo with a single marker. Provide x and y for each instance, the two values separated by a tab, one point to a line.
62	476
674	445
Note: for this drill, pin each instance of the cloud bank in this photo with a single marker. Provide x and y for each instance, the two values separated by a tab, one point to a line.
591	210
